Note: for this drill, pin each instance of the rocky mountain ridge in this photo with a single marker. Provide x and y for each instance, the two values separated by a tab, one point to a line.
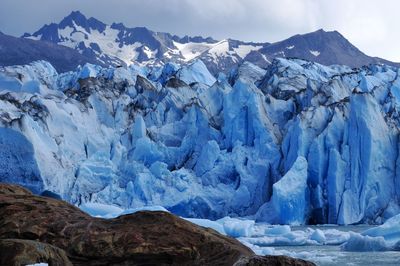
117	44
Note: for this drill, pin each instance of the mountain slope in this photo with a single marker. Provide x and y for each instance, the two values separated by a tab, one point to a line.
326	48
20	51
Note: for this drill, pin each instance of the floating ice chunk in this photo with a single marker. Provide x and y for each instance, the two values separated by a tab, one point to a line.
277	235
277	230
295	238
390	230
208	223
262	251
318	236
237	227
335	237
359	243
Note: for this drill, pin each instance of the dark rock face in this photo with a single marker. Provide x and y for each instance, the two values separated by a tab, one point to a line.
272	261
20	51
18	252
50	194
41	229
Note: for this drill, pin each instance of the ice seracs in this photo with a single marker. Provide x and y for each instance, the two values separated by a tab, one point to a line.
295	143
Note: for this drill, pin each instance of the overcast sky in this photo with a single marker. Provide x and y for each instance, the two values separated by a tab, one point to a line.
373	26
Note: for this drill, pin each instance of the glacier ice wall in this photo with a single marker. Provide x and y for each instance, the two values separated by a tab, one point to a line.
296	143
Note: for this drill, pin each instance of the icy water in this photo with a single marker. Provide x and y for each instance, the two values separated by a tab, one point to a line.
332	255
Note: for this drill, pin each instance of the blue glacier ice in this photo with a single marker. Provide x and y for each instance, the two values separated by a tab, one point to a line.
18	164
295	143
290	194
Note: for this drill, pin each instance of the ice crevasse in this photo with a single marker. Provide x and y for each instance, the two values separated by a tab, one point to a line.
295	143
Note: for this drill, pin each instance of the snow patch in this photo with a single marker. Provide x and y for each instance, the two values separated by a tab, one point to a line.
243	50
315	53
192	50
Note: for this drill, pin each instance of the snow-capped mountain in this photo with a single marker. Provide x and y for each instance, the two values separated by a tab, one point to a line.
296	143
117	44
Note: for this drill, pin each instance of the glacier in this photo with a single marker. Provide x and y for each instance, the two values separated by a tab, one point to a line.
205	147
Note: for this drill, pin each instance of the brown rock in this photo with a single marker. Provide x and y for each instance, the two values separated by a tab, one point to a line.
16	252
143	238
272	261
13	190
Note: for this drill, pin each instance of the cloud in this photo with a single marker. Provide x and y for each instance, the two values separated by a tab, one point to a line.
370	25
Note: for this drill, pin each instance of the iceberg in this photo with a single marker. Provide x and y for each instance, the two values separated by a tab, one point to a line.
358	242
390	230
385	237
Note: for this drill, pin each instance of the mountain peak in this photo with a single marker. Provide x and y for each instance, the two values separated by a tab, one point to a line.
321	30
75	16
118	26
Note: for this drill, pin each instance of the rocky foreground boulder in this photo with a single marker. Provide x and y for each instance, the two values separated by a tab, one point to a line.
21	252
40	229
